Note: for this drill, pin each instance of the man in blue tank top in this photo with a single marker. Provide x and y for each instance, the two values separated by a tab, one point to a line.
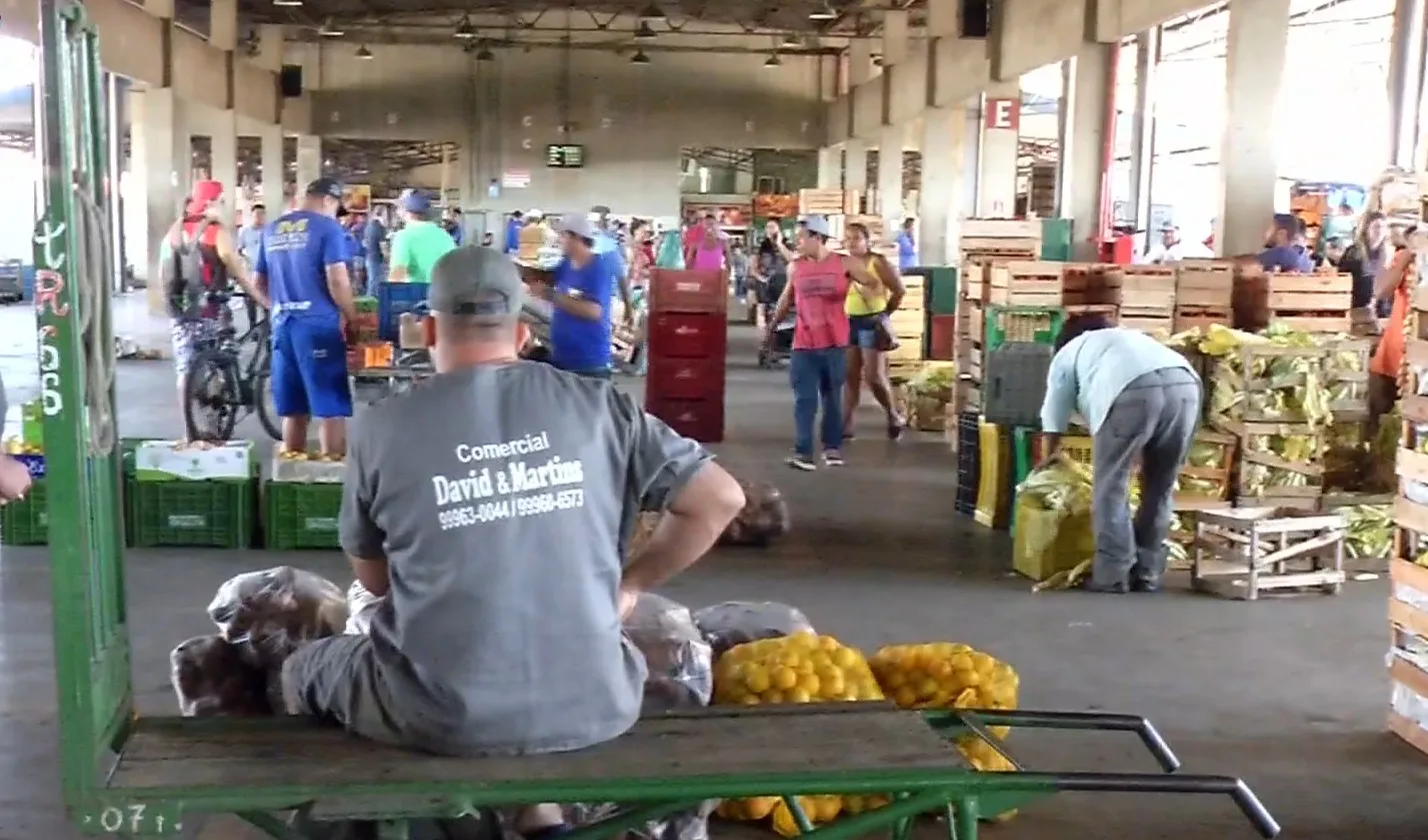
302	264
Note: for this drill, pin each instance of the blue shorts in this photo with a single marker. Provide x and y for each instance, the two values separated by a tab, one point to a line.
863	330
310	369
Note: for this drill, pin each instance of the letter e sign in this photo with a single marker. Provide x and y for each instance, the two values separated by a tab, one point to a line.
1003	114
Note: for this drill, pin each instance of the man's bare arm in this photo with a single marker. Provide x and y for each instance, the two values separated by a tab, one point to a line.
699	513
374	575
339	285
237	269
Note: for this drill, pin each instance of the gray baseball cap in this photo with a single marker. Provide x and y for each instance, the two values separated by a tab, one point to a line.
577	224
476	282
817	224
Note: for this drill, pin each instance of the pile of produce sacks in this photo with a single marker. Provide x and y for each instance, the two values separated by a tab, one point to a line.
261	618
926	395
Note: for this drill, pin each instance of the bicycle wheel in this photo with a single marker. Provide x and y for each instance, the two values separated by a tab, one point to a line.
213	398
263	404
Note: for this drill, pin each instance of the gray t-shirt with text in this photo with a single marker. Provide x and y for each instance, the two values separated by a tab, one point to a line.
501	497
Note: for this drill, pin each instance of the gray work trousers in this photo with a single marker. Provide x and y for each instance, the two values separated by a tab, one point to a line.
1153	421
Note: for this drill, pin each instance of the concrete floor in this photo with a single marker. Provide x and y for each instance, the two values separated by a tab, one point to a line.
1290	695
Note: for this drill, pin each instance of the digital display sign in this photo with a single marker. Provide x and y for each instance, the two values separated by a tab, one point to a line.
564	156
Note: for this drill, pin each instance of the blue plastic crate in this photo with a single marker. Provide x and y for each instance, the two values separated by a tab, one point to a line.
394	299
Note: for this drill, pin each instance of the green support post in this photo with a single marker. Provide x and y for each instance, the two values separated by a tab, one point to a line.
73	253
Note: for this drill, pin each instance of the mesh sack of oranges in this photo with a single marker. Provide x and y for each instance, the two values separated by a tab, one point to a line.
944	675
799	668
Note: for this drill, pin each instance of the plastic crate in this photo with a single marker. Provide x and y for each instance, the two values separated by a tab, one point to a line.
191	513
26	522
969	444
393	299
1014	383
941	289
994	477
1030	324
1056	240
301	515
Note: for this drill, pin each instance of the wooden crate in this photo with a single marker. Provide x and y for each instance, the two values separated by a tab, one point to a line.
1239	553
1253	460
1192	318
1311	302
820	202
1000	229
1093	284
1148	291
1000	249
967	395
1205	285
1252	353
1354	407
1026	284
1153	326
1219	480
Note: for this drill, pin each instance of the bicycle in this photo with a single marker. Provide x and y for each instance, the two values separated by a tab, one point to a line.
223	387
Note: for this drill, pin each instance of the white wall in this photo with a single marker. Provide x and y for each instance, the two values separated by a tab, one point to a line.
631	119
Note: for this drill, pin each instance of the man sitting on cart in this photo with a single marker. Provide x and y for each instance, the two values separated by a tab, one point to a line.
582	297
489	509
302	265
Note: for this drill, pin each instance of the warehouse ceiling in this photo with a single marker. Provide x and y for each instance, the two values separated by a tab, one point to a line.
792	26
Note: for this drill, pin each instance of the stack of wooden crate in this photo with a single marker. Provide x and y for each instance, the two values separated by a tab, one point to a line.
967	343
1204	293
1148	298
1408	603
909	325
823	202
990	240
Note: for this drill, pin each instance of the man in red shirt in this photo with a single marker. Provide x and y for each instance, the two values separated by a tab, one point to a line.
196	322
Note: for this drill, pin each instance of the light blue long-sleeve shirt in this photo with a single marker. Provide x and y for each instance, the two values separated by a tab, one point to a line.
1094	368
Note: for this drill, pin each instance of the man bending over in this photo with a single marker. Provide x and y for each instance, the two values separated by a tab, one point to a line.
489	507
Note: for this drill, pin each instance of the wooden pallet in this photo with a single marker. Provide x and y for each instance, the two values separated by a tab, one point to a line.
1239	553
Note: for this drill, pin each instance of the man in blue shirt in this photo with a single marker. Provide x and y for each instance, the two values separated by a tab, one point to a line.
302	265
584	289
513	233
251	237
451	222
906	246
373	235
1141	401
607	241
1284	251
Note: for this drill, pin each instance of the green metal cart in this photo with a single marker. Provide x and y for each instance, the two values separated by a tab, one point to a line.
134	777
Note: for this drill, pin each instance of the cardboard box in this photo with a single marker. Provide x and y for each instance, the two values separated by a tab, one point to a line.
168	460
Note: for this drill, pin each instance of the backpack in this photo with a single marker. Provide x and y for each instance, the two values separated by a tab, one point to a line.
183	279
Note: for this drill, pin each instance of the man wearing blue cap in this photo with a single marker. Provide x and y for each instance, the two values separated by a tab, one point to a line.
585	283
420	242
302	267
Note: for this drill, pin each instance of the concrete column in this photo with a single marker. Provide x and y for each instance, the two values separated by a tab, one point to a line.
942	18
860	62
828	77
855	165
1001	121
944	136
1254	69
309	160
1405	81
971	153
270	47
223	24
830	168
1143	132
895	40
1087	98
274	171
223	143
156	158
891	141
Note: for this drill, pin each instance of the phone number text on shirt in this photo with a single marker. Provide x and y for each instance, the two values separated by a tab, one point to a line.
497	510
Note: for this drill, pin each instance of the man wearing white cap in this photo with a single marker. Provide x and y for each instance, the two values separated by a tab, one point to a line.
584	289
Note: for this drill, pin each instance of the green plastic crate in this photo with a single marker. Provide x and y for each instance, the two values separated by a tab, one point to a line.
1039	324
1056	240
941	289
191	513
26	522
301	515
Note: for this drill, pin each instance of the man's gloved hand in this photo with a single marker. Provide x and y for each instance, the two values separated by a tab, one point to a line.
14	480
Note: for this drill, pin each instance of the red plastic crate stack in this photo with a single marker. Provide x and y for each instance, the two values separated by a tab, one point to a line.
688	335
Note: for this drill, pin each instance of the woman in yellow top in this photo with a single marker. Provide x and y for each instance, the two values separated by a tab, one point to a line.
873	295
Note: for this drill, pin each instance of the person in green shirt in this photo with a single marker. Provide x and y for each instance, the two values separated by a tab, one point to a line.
420	242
